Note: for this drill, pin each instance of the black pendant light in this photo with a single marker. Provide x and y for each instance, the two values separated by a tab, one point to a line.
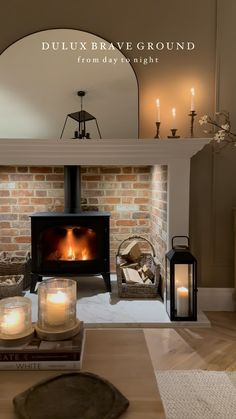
81	117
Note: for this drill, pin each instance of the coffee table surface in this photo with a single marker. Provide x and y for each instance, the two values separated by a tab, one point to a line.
119	355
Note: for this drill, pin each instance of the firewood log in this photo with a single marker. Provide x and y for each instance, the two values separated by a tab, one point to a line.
131	252
131	276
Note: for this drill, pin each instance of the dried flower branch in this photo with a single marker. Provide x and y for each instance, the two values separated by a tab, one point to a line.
224	134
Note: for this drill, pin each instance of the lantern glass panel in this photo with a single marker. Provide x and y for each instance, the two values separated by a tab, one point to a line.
183	275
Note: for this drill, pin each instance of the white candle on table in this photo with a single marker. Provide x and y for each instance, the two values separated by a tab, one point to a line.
192	104
182	301
13	322
158	110
174	118
56	308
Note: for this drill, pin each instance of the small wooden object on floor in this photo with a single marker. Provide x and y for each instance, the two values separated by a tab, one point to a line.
85	395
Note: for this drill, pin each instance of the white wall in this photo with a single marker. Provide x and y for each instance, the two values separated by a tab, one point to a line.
39	88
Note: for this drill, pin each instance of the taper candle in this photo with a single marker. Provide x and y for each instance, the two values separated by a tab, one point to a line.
158	110
192	104
174	118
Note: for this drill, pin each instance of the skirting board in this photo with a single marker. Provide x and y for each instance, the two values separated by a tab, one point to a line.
216	299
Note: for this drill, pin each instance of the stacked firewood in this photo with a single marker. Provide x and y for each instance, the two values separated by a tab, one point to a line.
134	267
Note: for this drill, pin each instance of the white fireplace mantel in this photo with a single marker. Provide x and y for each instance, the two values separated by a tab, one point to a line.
97	152
176	153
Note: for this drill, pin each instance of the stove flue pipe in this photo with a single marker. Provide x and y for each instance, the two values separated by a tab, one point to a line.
72	189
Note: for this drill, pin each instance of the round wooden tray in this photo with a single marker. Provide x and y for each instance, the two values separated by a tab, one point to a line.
58	335
73	395
8	341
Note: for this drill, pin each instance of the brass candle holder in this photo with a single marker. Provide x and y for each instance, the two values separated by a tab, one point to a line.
173	131
158	130
192	115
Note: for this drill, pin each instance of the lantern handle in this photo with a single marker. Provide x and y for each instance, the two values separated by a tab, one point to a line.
180	237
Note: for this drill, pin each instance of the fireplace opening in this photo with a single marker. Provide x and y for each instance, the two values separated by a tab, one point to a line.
67	243
72	242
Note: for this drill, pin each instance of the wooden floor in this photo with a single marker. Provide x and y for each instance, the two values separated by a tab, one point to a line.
210	349
129	357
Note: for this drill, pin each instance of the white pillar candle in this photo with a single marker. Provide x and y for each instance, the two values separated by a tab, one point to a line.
174	118
182	302
192	104
13	322
56	308
158	110
181	275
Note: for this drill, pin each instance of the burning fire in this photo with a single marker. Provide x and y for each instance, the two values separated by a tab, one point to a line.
74	247
70	253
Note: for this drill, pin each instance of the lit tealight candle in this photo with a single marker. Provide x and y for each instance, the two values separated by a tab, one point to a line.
158	110
192	104
182	302
56	308
13	321
174	118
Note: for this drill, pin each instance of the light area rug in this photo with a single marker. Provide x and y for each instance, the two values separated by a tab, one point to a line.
198	394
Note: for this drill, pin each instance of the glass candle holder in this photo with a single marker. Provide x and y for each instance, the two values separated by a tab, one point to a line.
57	305
15	318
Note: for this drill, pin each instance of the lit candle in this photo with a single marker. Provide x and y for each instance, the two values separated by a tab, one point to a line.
174	118
182	274
182	302
192	105
13	322
158	110
56	308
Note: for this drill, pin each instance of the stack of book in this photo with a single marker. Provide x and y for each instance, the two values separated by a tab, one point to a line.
44	355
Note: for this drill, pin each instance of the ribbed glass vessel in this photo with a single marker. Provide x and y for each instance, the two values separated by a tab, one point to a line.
15	317
57	304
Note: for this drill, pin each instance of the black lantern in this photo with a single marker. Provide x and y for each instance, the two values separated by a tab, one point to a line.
181	282
81	117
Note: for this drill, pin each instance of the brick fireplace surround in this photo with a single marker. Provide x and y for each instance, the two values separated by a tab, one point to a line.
144	184
136	197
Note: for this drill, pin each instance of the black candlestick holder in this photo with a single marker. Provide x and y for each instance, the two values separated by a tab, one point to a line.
173	131
192	115
158	130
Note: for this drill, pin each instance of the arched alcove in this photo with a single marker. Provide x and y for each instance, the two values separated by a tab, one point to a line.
41	74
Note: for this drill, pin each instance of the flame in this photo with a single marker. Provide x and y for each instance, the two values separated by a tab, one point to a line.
59	297
72	247
71	253
85	254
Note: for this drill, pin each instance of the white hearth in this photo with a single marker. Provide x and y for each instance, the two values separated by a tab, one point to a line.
98	308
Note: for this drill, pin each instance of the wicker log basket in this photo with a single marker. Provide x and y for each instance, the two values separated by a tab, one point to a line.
16	265
12	288
148	258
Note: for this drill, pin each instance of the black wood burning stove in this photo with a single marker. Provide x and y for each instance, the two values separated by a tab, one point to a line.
72	243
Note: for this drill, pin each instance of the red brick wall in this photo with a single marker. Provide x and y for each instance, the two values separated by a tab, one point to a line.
158	203
123	191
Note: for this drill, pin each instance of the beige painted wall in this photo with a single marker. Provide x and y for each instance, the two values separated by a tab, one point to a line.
213	192
137	20
40	88
212	180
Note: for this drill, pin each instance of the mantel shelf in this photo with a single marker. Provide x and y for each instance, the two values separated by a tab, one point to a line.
97	152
